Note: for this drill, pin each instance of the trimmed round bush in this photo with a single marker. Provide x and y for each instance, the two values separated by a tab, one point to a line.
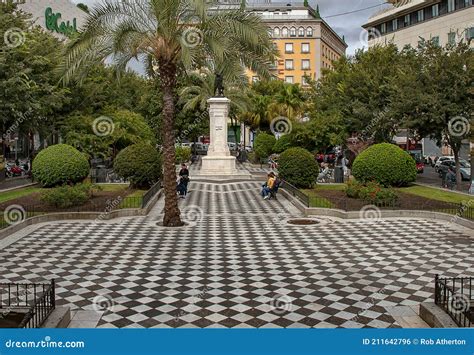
263	145
282	144
140	164
60	164
298	167
386	164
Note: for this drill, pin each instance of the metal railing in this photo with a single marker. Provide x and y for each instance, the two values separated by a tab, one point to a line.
8	218
295	192
458	210
38	299
150	193
456	297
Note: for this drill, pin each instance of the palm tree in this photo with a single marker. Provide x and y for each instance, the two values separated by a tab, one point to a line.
171	37
290	101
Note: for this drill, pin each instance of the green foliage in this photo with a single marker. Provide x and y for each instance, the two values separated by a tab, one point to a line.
67	196
282	144
375	194
386	164
60	164
263	145
298	167
253	158
103	136
140	164
183	154
353	189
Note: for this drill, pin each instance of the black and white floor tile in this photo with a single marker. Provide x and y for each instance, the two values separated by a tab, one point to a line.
237	263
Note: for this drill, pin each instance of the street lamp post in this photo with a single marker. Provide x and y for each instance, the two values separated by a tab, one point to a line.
471	187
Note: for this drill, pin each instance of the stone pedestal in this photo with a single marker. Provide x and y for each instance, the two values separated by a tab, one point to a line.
218	162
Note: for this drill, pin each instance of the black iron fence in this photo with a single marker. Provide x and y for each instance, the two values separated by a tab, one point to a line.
17	213
456	296
37	301
295	192
150	193
458	210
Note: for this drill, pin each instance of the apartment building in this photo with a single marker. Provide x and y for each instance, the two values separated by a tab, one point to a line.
305	42
406	22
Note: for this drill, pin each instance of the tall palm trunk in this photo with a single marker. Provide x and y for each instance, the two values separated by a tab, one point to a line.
168	83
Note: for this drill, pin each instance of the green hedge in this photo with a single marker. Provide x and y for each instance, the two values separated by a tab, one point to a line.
140	163
298	167
263	145
386	164
60	164
67	196
282	144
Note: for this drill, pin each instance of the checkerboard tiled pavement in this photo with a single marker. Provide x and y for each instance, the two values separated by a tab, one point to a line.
238	264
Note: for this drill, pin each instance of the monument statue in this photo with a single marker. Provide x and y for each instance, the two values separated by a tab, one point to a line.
219	85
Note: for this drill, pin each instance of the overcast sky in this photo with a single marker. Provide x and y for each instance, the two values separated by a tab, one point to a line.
348	25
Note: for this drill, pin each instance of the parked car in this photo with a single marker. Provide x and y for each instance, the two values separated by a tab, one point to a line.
465	168
440	160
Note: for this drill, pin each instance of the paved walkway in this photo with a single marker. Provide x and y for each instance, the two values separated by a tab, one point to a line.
238	264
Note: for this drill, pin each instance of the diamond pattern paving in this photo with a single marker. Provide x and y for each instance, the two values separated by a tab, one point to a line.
238	264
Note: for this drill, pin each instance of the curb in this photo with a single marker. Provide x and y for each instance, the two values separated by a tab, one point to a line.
92	216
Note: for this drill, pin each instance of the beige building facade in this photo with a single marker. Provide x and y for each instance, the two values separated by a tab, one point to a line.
305	42
407	22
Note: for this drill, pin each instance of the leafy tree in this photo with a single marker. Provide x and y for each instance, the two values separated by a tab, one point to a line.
28	56
104	136
171	35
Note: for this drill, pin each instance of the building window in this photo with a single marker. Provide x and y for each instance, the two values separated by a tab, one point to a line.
284	32
305	64
289	64
435	40
304	47
276	32
289	79
451	5
452	38
383	28
395	24
420	15
293	32
407	21
288	47
301	32
435	10
309	32
467	3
